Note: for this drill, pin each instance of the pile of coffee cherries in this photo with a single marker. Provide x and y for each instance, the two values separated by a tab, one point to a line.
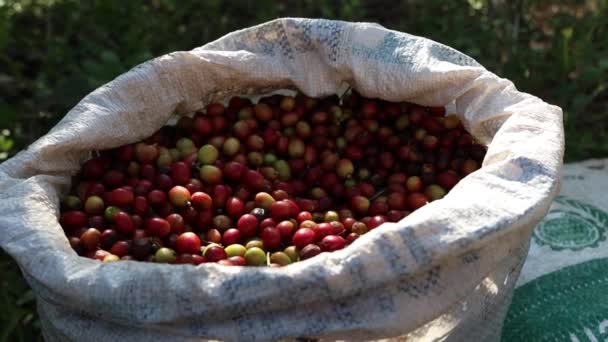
270	183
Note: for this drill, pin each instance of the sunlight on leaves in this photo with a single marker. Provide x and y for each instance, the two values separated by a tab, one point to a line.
476	4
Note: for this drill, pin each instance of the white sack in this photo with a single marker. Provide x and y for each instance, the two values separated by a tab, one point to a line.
444	272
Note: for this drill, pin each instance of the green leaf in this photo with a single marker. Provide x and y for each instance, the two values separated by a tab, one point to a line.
603	63
12	325
27	298
7	114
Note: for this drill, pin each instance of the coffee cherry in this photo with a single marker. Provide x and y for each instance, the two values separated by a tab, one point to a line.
296	148
213	235
177	223
469	166
208	154
397	201
235	207
120	248
280	258
180	173
179	196
451	121
263	112
309	251
94	205
188	243
292	252
247	225
271	237
202	125
332	243
303	237
215	253
237	261
73	219
359	204
283	170
111	258
376	221
254	180
235	250
231	146
210	174
434	192
338	227
124	223
267	222
158	227
165	255
416	200
331	216
234	171
231	236
222	222
414	184
255	242
303	216
346	168
264	200
107	239
201	200
280	210
359	228
155	198
90	239
322	230
286	229
255	257
141	248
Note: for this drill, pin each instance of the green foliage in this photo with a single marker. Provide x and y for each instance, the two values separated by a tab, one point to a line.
54	52
6	143
18	318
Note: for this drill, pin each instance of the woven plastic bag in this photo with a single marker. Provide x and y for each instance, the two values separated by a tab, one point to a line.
445	272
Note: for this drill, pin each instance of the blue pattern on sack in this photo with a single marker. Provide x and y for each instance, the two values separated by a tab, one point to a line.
421	286
313	283
469	257
446	53
346	314
235	288
307	35
391	256
248	329
268	39
411	241
287	37
399	48
356	270
531	168
385	301
245	328
393	49
492	228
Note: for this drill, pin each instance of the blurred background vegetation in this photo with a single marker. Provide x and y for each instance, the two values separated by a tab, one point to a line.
54	52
